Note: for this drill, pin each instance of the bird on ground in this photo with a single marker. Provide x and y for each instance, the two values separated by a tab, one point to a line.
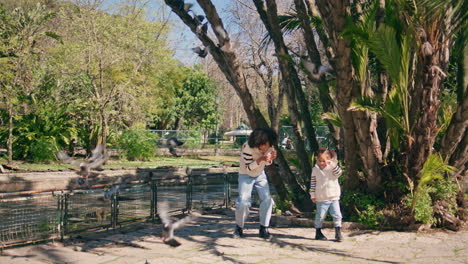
169	226
98	157
172	143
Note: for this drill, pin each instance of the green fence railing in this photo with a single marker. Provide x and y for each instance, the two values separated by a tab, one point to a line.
31	217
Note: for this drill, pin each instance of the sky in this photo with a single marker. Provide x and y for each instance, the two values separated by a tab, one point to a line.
183	40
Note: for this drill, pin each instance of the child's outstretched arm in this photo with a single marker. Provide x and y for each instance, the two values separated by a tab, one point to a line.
335	168
313	185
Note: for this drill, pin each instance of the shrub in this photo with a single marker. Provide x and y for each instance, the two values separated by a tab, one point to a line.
193	139
363	208
138	144
423	205
371	217
42	149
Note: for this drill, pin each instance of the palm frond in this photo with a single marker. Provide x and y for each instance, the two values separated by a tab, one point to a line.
366	103
435	167
289	23
333	118
455	10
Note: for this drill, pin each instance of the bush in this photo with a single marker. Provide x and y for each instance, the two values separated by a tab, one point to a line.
423	211
193	139
138	144
363	208
371	217
445	190
42	149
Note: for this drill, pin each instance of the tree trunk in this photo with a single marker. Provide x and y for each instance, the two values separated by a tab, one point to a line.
456	131
10	132
104	128
370	149
424	109
226	59
289	74
333	13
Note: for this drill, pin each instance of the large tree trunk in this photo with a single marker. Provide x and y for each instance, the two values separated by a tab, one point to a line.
226	59
333	13
425	104
288	72
303	11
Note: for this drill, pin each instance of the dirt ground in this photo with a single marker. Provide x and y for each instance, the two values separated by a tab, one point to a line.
208	240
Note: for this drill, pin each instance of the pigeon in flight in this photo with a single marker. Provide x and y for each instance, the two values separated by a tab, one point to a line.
98	157
199	18
202	52
202	28
169	226
108	194
172	143
182	5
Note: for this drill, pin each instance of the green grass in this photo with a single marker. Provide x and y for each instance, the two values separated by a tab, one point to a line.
193	162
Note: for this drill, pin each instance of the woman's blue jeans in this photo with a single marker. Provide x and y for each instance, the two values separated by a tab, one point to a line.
321	212
246	184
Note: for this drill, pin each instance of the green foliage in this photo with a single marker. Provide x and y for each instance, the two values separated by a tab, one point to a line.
196	100
192	139
422	206
138	144
42	149
42	132
444	189
432	182
333	118
363	208
281	205
371	217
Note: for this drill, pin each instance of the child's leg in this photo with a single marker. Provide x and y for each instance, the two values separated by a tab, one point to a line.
321	212
335	212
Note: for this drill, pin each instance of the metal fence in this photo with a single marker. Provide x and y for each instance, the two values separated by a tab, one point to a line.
31	217
201	138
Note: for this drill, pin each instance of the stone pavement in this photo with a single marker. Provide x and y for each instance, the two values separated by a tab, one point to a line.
208	240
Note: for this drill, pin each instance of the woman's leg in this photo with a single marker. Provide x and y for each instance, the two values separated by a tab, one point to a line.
266	203
246	184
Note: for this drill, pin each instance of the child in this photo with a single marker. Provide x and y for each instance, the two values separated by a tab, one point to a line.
256	153
325	191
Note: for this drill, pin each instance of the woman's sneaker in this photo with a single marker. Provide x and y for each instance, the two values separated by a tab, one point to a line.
319	235
264	233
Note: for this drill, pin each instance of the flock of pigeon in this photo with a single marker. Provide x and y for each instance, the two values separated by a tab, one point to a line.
316	71
99	157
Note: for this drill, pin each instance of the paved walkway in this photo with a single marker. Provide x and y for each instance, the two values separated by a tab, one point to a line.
208	240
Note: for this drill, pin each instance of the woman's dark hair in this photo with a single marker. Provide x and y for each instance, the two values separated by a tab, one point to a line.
262	136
